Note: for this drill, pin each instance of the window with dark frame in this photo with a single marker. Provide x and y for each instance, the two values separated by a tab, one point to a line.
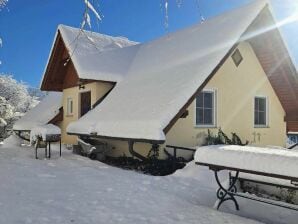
260	111
237	57
205	109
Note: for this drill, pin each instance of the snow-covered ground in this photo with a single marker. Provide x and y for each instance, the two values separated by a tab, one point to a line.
74	189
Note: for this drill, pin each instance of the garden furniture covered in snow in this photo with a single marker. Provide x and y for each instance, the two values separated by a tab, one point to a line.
174	150
94	149
264	162
43	136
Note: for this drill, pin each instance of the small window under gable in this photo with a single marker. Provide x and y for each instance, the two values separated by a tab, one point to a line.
237	57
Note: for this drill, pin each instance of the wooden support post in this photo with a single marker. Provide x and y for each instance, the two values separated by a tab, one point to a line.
45	150
49	150
60	146
36	146
175	153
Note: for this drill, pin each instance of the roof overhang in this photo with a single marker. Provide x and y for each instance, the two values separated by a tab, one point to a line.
94	135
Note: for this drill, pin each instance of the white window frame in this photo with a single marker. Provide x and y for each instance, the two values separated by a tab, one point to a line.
214	125
266	112
69	109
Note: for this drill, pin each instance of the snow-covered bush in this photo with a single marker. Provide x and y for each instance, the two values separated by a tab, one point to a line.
6	115
15	93
15	100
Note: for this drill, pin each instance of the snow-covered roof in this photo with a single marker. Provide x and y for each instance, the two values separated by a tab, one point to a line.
266	160
163	76
86	51
45	111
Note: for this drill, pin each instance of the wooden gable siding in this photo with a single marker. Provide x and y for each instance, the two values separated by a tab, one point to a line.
71	78
274	57
292	126
60	72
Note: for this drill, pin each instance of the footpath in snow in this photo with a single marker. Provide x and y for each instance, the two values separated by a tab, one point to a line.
74	189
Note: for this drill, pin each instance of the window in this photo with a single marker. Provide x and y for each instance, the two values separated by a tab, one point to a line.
261	111
69	106
205	109
293	139
237	57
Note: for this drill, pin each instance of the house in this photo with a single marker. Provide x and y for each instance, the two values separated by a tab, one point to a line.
232	72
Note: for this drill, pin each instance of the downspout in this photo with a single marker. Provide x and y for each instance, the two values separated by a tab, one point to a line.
134	153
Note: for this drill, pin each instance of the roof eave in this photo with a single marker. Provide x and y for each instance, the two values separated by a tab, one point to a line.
151	141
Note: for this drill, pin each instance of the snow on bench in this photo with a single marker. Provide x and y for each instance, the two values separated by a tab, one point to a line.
47	133
280	163
44	131
268	162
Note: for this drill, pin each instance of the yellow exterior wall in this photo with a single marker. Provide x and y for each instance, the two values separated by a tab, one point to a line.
98	89
235	89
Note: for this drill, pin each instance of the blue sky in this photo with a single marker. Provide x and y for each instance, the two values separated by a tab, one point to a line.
28	27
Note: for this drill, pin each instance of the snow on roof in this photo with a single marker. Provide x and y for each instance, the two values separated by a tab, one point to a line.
292	133
163	76
86	51
267	160
45	111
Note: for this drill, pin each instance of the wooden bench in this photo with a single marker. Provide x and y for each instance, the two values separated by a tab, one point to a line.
216	163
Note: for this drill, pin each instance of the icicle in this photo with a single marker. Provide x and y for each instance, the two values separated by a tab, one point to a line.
179	3
88	20
202	18
66	62
90	6
166	15
3	3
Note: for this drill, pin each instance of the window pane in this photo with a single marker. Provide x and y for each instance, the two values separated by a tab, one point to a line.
256	104
208	100
199	116
256	118
71	106
262	104
199	101
237	57
208	116
260	111
262	118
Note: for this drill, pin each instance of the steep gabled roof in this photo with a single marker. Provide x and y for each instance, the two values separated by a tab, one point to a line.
165	74
42	114
89	55
89	52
